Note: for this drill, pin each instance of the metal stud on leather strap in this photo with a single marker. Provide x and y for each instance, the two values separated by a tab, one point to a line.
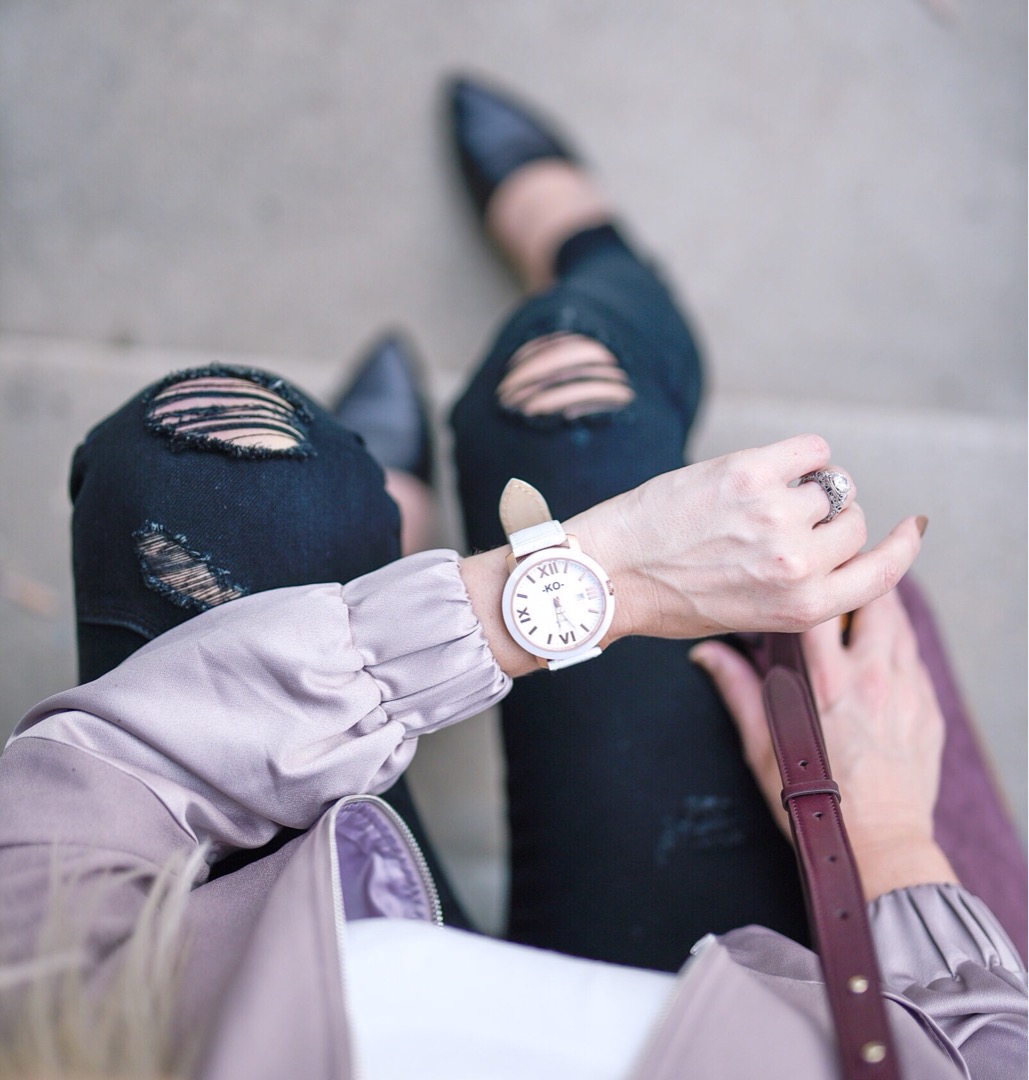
873	1053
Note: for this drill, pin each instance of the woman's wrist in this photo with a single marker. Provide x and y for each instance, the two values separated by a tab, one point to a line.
484	577
616	553
888	861
486	574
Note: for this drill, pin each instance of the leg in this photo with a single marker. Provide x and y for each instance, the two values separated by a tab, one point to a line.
633	817
647	373
211	485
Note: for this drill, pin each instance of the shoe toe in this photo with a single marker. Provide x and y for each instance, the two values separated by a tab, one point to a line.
384	405
495	135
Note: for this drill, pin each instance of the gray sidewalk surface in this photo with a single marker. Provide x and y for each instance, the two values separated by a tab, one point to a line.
838	192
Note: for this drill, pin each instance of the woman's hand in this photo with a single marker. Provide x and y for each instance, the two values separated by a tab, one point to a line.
883	733
728	544
723	545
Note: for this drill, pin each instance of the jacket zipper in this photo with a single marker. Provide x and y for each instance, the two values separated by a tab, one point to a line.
340	922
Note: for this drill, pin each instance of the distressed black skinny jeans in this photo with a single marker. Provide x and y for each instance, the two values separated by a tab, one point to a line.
636	827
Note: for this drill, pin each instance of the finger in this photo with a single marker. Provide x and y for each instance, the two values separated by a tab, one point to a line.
825	656
838	541
823	644
884	625
818	500
877	617
740	688
871	574
792	458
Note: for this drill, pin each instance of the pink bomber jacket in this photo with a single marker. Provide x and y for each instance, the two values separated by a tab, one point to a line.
292	708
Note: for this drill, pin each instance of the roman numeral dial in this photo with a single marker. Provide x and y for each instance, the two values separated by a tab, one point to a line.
558	601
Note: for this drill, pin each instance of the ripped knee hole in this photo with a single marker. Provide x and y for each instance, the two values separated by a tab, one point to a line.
569	375
233	412
179	572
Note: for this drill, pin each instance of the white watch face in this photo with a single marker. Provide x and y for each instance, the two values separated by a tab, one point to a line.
557	602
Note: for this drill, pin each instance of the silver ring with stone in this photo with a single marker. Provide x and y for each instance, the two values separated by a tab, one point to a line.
836	486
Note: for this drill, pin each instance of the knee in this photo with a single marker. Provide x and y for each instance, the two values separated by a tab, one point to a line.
566	375
241	412
124	478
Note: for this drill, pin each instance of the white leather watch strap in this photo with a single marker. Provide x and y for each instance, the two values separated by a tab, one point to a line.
557	665
530	528
522	506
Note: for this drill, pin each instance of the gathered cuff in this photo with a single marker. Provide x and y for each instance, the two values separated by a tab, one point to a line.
929	932
413	624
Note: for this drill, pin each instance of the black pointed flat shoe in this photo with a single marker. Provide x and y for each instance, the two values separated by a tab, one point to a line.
385	406
495	135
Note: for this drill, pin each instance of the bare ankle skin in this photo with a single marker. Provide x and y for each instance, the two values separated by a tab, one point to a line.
417	511
537	208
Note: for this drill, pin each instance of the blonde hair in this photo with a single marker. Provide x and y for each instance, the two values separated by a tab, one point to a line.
58	1026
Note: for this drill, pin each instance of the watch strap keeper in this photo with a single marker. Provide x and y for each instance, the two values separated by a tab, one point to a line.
536	537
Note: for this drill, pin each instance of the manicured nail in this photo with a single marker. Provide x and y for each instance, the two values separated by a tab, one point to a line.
921	521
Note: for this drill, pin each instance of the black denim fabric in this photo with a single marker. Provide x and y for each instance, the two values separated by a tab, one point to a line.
262	519
636	827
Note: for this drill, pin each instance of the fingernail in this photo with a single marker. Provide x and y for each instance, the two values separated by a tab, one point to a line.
921	521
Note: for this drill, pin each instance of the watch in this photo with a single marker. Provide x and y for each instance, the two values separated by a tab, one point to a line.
558	602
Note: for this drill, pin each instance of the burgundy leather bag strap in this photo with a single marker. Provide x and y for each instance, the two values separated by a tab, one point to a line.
832	887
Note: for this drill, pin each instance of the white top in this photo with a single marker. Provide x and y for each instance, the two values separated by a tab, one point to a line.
444	1004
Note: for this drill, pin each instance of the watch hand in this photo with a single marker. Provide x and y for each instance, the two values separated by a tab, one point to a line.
559	611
